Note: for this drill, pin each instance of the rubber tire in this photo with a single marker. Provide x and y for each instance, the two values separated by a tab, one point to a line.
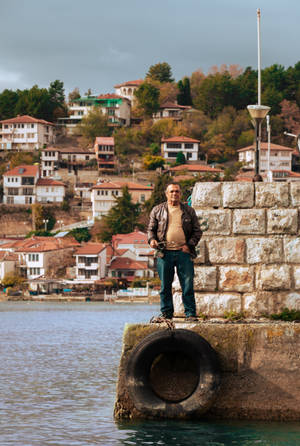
167	341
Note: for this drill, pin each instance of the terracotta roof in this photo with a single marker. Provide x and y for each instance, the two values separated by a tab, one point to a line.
179	139
174	105
23	170
136	83
126	263
264	146
105	140
42	244
80	150
109	96
137	237
119	185
195	168
8	256
90	248
49	182
25	119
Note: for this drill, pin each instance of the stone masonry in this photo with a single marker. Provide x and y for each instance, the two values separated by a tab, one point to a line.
249	257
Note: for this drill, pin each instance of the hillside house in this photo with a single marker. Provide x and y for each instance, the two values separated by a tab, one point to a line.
26	133
50	191
105	153
103	195
280	157
19	185
170	110
170	147
71	158
127	90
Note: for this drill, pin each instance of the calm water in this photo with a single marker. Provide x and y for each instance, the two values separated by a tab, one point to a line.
58	371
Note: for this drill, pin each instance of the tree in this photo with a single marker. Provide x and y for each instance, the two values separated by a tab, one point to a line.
74	94
184	97
152	162
158	195
8	101
94	124
81	234
121	218
148	97
88	92
57	99
180	158
161	72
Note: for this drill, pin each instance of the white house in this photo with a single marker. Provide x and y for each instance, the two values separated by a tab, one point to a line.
90	262
280	157
50	191
170	147
71	158
127	89
8	261
26	133
170	110
19	185
103	195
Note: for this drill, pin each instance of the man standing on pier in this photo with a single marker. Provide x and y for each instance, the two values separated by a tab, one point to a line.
174	231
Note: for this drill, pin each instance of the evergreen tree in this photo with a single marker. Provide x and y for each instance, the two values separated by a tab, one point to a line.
184	97
121	218
161	72
94	124
180	158
158	195
148	97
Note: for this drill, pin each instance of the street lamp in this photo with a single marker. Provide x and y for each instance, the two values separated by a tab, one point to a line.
60	222
46	222
258	114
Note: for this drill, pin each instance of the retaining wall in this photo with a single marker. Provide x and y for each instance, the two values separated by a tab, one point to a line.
249	258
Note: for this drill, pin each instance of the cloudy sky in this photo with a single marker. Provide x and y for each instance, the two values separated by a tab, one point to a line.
99	43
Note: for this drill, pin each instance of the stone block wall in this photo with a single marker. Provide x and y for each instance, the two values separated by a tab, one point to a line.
249	257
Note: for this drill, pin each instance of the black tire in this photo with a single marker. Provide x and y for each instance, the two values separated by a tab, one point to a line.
201	359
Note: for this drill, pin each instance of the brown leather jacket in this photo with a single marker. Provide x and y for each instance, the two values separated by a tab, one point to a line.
158	224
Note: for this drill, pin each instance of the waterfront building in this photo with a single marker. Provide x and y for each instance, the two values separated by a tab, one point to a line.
19	185
26	133
91	262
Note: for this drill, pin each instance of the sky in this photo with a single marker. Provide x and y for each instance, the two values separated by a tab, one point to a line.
97	44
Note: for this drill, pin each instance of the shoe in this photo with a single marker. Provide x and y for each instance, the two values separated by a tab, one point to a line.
161	318
191	319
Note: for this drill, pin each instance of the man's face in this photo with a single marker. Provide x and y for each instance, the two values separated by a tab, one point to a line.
173	194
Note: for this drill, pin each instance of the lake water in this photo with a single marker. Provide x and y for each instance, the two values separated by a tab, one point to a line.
58	372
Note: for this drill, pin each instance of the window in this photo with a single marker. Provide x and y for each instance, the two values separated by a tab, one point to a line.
10	200
13	191
35	271
29	181
87	157
173	145
142	198
188	146
172	154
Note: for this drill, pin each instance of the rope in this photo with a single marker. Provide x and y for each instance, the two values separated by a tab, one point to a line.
163	320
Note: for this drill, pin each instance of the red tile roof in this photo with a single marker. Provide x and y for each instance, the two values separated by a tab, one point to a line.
80	150
126	263
135	237
119	185
40	244
23	170
105	140
174	105
49	182
195	168
110	96
8	256
136	83
179	139
264	146
90	248
25	119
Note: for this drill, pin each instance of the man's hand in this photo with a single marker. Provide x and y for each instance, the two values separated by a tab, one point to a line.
186	249
154	244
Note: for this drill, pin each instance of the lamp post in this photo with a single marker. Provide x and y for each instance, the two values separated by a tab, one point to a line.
46	222
60	222
258	114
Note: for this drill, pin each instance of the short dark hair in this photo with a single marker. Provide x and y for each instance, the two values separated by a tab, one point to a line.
172	183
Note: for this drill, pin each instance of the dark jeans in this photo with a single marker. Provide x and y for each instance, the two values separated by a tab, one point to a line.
185	271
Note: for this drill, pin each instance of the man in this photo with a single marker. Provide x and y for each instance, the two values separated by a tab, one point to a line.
174	231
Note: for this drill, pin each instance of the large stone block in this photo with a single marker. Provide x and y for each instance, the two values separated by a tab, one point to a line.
264	250
291	300
216	305
205	278
295	193
268	195
296	274
218	220
274	277
238	195
200	250
236	278
249	221
259	303
207	195
282	221
226	250
292	249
